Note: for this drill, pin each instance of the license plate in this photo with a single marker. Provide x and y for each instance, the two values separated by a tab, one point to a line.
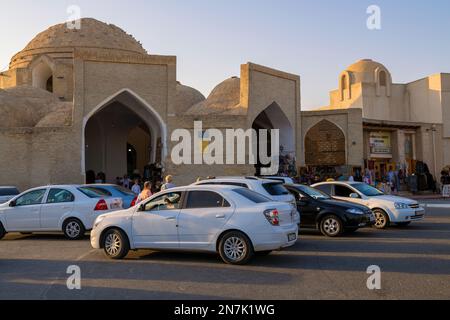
292	237
420	213
115	205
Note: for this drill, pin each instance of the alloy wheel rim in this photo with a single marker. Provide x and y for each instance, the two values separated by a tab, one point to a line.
380	219
113	244
235	248
331	226
73	229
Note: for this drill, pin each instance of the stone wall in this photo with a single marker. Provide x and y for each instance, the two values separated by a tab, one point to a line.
36	157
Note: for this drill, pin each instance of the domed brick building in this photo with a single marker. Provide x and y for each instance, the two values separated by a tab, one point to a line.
94	100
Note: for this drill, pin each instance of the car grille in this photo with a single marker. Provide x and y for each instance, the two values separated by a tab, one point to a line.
414	206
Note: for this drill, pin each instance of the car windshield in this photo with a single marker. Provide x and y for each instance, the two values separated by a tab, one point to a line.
9	192
92	192
275	189
313	193
251	195
367	190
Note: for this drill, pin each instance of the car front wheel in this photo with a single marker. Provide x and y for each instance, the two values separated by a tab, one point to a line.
73	229
381	219
235	248
331	226
115	244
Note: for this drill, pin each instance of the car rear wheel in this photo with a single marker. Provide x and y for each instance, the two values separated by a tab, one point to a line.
381	219
331	226
116	244
235	248
2	231
73	229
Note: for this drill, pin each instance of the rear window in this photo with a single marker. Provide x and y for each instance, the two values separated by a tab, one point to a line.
102	191
252	195
9	192
275	189
124	191
91	192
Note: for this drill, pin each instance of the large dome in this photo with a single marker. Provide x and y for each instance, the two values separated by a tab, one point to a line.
364	70
93	34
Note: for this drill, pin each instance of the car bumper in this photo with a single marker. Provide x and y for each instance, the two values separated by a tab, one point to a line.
360	221
407	215
282	237
95	239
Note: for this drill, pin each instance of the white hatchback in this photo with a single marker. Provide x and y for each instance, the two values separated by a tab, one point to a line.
232	221
386	208
70	209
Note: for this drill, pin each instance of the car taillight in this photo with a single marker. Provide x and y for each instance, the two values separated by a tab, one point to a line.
273	217
133	203
101	205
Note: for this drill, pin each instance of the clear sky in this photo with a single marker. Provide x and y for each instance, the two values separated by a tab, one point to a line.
211	38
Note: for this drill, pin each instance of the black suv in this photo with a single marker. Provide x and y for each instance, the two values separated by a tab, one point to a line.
332	217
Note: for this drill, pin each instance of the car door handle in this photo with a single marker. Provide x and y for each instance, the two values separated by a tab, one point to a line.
220	216
170	218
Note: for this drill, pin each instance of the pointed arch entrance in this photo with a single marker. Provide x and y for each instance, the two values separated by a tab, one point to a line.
123	135
271	118
325	145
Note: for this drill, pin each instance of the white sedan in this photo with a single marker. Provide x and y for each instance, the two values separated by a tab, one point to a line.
386	208
70	209
232	221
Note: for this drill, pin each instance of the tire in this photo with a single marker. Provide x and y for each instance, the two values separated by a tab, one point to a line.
235	248
115	244
403	224
331	226
2	232
73	229
381	219
263	253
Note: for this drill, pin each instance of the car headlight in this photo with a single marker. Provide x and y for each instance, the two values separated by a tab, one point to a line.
355	211
399	205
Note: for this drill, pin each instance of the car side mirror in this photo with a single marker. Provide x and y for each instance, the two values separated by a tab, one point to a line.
12	204
142	208
354	196
303	202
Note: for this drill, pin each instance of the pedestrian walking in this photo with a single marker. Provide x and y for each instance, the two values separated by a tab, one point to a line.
169	183
136	187
146	193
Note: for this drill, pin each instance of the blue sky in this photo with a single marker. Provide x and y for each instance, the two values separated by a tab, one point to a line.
211	38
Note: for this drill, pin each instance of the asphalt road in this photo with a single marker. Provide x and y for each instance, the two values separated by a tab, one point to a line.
415	264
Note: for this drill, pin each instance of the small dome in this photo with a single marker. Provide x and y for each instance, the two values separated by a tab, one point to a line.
186	97
364	70
224	97
26	106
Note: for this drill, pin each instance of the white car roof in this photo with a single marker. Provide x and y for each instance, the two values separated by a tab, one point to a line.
337	182
238	179
202	187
